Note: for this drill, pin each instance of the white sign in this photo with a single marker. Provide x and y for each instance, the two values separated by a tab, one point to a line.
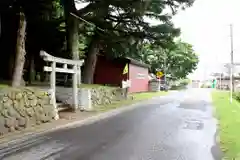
140	76
126	84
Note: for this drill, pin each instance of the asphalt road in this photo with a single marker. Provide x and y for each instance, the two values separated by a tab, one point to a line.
177	127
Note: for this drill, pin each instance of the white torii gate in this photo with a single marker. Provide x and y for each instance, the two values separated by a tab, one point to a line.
75	70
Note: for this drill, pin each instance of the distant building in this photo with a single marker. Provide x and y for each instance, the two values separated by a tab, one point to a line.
196	84
224	82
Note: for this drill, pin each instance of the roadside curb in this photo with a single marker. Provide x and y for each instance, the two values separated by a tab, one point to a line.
90	120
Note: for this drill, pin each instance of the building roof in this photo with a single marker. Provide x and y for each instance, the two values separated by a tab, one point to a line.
138	63
129	60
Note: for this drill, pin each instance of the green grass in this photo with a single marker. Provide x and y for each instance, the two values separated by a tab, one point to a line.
147	95
136	97
180	87
3	86
92	86
229	123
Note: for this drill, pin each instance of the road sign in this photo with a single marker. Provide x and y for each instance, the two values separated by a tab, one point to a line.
125	70
159	74
126	84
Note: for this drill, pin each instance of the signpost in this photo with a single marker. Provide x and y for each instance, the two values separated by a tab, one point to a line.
159	74
231	69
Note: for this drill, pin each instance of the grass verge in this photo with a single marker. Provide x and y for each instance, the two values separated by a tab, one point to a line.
228	115
3	86
137	97
89	86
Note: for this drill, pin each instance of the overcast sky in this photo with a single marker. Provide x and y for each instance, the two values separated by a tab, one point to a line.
206	26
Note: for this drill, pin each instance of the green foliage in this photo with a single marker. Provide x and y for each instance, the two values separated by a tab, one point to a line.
177	87
180	59
120	25
120	28
45	28
184	81
236	95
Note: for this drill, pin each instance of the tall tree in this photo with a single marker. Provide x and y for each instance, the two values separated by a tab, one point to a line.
95	44
122	24
72	27
20	51
180	59
27	15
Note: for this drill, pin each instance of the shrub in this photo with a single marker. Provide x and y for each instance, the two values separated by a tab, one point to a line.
236	95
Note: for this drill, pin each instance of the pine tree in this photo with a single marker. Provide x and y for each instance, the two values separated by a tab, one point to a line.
119	25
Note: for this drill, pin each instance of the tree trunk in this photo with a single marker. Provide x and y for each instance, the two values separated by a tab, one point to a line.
72	31
72	40
91	60
31	76
20	52
71	28
90	63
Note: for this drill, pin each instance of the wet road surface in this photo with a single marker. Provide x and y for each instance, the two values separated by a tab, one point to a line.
176	127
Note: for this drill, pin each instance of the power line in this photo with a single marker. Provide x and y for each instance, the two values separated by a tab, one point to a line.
90	23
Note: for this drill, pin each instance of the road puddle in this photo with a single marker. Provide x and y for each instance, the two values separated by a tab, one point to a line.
193	125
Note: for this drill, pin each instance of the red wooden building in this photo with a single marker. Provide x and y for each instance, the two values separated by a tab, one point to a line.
110	72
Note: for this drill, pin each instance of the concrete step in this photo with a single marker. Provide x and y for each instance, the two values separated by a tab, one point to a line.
62	107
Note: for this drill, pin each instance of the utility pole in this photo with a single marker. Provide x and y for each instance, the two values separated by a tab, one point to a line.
231	66
165	68
220	81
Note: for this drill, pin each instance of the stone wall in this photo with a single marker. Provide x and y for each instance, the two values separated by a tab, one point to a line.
106	95
91	97
24	107
154	85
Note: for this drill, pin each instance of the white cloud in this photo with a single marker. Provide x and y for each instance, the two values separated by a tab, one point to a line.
206	26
